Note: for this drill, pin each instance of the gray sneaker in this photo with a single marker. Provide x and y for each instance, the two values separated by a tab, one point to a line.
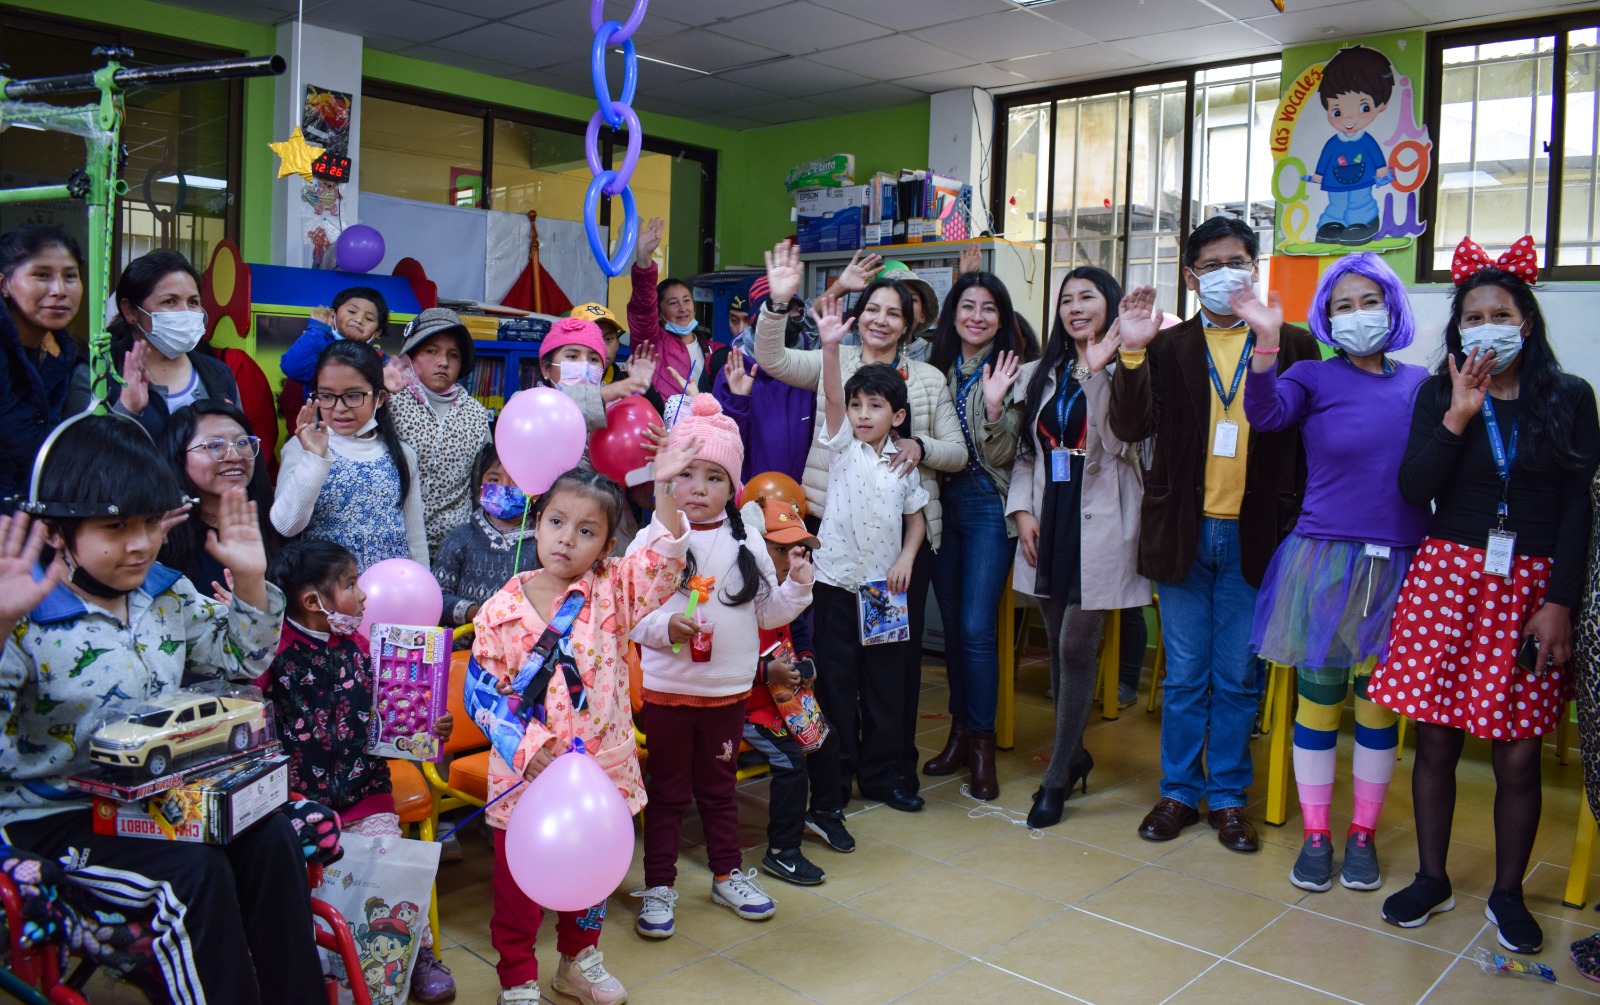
1313	870
1360	870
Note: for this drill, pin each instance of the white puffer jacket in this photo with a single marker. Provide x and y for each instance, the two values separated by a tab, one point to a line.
933	414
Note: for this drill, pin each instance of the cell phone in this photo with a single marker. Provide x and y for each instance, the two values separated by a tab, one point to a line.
1528	654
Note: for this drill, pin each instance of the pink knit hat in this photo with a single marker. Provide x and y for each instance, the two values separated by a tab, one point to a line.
573	331
719	436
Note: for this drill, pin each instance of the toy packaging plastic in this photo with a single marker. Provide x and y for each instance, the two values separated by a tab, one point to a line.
411	689
211	806
798	706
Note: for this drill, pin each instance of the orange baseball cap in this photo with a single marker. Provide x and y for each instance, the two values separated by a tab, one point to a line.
785	525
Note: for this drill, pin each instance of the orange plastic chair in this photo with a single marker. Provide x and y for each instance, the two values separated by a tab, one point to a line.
466	779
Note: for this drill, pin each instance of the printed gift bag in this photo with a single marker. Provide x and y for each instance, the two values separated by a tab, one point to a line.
382	886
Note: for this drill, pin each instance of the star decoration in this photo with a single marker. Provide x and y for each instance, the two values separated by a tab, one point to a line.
295	155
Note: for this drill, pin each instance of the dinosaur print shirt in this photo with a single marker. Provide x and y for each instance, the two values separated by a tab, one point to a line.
69	661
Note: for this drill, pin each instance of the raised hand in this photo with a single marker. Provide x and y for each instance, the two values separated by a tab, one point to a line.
858	275
670	462
1469	385
222	592
800	568
325	315
135	384
783	272
1265	319
1102	349
642	364
828	313
1137	320
649	241
172	517
236	540
398	374
998	377
971	259
21	542
310	431
740	381
686	387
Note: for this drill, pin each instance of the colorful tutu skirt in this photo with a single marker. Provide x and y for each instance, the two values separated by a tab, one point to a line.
1324	606
1453	648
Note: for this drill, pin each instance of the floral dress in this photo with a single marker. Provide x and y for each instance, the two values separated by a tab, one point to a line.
356	509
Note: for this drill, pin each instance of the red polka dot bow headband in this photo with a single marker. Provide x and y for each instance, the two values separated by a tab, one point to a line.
1471	259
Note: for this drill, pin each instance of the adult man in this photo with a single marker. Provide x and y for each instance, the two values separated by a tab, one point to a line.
1218	499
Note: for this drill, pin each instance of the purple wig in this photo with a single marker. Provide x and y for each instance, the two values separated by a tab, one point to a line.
1402	329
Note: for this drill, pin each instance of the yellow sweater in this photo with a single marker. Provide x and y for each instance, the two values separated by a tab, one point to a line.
1225	475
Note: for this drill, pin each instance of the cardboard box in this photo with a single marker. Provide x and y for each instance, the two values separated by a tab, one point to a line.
410	690
209	808
830	219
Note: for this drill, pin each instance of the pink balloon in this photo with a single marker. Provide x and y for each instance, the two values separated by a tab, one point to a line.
570	838
400	592
539	436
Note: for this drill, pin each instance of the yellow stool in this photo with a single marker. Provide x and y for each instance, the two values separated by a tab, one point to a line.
1110	665
1005	714
1158	667
1582	858
1279	732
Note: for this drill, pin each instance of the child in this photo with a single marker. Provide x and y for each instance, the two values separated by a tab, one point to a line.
1356	85
321	685
572	357
359	313
765	731
436	417
346	475
481	555
104	623
862	541
590	602
693	714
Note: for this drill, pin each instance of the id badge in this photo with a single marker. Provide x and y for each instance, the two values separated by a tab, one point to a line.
1377	551
1497	553
1226	443
1061	465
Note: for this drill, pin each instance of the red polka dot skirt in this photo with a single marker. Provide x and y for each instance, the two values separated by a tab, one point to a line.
1453	647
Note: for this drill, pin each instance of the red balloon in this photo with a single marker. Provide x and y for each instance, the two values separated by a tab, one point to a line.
773	485
620	447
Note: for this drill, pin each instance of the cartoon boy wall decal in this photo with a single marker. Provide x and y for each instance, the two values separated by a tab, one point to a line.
1356	85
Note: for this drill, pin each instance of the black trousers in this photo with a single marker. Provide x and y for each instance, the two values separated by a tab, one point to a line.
906	766
794	776
863	692
233	921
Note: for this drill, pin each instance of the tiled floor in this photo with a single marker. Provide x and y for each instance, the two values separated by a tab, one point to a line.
961	903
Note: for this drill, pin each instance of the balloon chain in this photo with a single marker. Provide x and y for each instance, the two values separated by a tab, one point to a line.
615	114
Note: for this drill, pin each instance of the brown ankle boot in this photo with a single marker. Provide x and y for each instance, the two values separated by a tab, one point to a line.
980	765
954	755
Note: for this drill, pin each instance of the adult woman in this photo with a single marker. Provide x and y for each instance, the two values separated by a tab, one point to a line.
1503	444
212	450
1329	592
41	280
979	346
663	315
882	315
154	343
1069	470
436	416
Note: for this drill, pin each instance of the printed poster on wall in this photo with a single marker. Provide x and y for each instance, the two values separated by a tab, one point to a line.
325	121
1349	152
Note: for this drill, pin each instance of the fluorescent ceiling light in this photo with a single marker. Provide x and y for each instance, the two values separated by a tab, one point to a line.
1029	3
664	62
195	181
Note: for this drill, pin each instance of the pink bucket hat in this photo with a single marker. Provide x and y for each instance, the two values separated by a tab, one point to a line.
719	436
573	331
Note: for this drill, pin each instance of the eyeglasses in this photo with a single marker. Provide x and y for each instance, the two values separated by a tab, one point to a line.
219	449
350	399
1240	264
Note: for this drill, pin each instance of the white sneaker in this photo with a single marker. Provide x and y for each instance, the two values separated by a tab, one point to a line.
655	912
585	978
741	894
528	992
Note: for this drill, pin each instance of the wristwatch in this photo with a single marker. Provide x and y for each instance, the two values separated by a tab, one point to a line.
788	305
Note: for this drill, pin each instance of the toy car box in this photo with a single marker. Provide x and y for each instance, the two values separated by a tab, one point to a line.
153	736
210	807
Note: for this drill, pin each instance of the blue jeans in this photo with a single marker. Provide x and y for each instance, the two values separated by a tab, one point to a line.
970	571
1351	208
1212	687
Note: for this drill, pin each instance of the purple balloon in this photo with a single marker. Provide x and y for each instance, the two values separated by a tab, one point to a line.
360	248
570	838
400	592
539	436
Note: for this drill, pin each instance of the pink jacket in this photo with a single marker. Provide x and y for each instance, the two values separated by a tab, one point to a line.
620	593
644	327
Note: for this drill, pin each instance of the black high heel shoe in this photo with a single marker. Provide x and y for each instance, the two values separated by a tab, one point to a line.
1049	801
1078	772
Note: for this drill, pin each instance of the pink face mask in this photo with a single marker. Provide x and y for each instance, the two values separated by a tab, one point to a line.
340	623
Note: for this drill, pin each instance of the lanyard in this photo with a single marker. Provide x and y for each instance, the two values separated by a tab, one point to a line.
966	385
1063	409
1505	458
1238	372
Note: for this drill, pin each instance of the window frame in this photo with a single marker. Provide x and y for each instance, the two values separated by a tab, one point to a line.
488	113
1432	89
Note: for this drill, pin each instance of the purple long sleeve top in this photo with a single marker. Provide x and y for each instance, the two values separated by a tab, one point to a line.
1354	425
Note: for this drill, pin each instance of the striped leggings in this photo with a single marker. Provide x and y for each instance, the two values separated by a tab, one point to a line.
1316	735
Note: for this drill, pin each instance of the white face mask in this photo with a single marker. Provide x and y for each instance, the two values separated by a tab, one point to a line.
174	333
1505	340
1217	286
575	371
1360	333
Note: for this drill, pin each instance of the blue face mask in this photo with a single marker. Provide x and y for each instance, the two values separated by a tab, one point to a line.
503	502
680	330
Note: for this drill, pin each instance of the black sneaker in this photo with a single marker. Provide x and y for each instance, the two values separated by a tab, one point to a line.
792	867
830	828
1518	931
1413	906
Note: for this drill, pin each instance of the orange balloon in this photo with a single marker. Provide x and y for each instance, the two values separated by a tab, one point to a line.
773	485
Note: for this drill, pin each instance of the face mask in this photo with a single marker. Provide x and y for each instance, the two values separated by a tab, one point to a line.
340	623
578	372
90	584
1360	333
680	330
174	333
1216	288
1505	340
503	502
